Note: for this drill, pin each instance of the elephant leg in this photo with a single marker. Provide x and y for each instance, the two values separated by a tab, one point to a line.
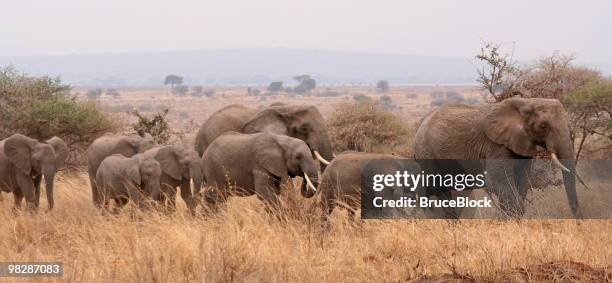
167	198
266	189
213	197
120	202
328	207
521	178
100	198
445	194
26	185
95	194
18	197
37	181
187	195
137	197
501	182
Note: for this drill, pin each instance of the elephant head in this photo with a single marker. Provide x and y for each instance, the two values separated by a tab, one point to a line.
181	164
33	158
522	124
146	174
283	156
302	122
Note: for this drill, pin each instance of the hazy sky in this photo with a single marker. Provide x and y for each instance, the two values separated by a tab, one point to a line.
40	27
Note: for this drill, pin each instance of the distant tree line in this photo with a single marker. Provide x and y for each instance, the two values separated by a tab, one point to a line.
179	89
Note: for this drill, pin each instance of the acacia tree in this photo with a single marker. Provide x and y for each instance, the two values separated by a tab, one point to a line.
173	80
306	84
499	72
382	86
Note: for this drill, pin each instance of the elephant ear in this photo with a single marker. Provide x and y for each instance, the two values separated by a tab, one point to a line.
125	146
269	121
505	125
270	155
61	150
18	149
132	173
168	158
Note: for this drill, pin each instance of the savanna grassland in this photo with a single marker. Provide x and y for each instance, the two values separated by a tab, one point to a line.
244	243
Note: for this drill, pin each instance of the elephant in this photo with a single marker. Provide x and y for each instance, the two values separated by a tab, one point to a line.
23	163
299	121
341	183
246	164
110	144
505	135
179	167
122	178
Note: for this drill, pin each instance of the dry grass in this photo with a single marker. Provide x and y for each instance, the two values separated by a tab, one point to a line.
243	243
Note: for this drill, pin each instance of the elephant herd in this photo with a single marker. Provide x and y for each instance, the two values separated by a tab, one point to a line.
241	151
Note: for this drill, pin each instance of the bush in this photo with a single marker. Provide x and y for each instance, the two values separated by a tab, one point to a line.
451	96
39	107
437	94
411	95
275	87
113	93
157	126
328	93
94	93
387	102
180	90
361	98
367	127
197	91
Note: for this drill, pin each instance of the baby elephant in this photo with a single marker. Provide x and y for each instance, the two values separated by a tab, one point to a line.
247	164
122	178
341	182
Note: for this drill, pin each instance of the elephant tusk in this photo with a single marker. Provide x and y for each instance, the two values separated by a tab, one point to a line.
320	158
312	187
581	181
558	163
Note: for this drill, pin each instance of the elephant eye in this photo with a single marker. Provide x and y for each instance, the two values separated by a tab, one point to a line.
299	156
543	126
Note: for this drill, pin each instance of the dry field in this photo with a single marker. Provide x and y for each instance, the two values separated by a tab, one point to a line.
187	113
243	243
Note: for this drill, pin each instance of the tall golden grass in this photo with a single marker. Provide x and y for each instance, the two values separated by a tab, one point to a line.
244	243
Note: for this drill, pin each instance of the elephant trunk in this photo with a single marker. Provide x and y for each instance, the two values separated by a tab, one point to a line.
198	179
49	178
326	149
565	153
154	190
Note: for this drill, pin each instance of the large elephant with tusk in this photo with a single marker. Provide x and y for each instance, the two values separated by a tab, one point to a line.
504	134
246	164
303	122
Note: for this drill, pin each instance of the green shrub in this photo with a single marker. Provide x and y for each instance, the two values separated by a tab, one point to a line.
367	127
157	126
41	107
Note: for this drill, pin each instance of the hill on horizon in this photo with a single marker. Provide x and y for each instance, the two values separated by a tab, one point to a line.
253	66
